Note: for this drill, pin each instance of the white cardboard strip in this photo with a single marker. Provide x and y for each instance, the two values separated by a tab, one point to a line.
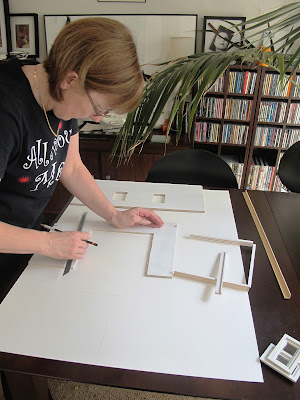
251	268
220	275
157	196
162	254
161	261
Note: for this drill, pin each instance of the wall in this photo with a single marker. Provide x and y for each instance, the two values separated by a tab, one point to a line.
249	9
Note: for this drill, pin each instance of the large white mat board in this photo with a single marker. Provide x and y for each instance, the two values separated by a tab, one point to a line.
108	312
158	196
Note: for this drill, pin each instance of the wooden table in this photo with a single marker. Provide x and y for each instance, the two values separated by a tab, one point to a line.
285	208
273	316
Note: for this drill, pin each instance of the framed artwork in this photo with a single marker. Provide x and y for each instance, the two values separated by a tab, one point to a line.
122	1
158	37
218	30
4	28
24	33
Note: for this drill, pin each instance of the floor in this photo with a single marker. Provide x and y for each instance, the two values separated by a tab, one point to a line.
68	390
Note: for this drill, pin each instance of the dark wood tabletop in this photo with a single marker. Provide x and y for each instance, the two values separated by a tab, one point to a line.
273	316
286	212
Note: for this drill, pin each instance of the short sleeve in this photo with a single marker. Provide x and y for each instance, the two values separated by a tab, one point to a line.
75	128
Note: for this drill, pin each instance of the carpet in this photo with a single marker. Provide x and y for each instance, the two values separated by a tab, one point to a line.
67	390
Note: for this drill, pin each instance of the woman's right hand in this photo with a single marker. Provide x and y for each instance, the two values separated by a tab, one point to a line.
65	245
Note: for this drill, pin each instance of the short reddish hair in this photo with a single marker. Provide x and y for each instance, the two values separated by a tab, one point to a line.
103	54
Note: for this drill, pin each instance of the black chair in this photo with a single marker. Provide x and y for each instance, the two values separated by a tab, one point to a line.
289	168
193	167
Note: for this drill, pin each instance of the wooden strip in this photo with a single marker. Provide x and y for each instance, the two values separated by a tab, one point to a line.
205	279
273	261
208	279
239	286
239	242
219	282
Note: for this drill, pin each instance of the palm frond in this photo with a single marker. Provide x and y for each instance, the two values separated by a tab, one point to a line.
194	74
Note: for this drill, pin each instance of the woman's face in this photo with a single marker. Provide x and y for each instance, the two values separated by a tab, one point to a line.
77	104
220	43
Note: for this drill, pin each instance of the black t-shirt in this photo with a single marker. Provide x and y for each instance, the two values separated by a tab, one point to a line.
31	157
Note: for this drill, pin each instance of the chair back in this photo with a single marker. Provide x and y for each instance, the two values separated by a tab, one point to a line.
289	168
193	167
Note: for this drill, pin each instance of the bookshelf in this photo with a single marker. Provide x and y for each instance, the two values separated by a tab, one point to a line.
248	119
276	127
226	130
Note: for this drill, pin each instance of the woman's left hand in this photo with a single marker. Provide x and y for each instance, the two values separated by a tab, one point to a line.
137	216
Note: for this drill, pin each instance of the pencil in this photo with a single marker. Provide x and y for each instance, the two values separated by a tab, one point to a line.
51	228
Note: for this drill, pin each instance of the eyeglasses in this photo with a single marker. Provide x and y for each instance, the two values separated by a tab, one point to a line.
98	113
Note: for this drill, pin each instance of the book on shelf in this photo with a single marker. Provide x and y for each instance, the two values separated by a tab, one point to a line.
210	107
272	85
236	163
272	111
279	186
235	134
260	175
239	109
218	86
297	88
290	137
294	114
206	132
267	136
242	82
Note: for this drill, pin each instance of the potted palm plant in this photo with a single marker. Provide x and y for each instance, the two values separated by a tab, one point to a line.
178	78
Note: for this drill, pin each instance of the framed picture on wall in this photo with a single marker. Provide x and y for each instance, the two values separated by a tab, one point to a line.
4	28
158	37
123	1
217	31
24	33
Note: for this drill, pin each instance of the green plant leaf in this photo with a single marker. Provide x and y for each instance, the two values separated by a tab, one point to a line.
191	76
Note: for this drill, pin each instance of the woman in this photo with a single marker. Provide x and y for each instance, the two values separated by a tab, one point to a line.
92	68
221	41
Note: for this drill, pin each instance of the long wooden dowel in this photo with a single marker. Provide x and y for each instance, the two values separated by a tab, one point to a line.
276	268
208	279
239	242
